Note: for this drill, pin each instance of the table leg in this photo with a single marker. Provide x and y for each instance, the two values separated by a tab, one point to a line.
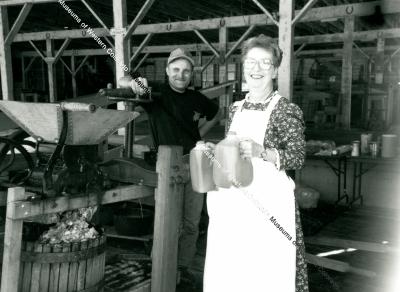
357	175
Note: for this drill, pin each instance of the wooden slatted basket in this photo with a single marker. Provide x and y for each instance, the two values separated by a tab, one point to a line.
63	267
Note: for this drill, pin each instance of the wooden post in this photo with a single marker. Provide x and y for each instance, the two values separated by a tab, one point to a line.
379	59
12	243
197	78
286	41
5	57
168	210
23	72
347	70
73	77
51	70
121	44
223	70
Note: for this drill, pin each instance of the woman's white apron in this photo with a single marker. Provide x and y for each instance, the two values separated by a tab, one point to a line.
247	250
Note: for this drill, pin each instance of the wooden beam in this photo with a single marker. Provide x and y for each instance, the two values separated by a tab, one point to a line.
364	36
139	17
303	11
141	62
286	41
240	40
347	70
30	63
204	48
362	51
266	12
141	47
204	67
299	49
6	72
22	209
94	14
204	40
18	23
81	64
167	221
61	50
21	2
66	66
314	14
38	51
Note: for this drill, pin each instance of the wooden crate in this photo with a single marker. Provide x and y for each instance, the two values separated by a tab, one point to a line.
62	267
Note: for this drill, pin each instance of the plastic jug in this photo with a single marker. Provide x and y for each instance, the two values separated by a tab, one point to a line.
201	170
229	168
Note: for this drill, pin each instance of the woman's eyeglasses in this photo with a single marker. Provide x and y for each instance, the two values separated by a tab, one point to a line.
265	64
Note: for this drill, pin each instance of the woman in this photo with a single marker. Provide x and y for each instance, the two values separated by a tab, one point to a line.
255	242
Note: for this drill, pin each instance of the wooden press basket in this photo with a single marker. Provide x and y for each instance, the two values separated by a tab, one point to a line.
62	267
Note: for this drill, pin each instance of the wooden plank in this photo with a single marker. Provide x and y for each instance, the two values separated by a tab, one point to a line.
55	270
168	213
73	271
45	271
64	270
90	266
25	209
286	42
82	269
12	244
36	267
27	270
5	58
347	73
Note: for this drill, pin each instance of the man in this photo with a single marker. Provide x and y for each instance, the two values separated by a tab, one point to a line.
174	120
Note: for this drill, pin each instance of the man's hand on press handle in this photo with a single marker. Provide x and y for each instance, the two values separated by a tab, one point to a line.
139	85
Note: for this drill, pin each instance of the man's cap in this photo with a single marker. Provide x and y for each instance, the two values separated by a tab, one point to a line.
180	53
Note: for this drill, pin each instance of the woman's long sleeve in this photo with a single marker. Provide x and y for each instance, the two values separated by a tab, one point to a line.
288	128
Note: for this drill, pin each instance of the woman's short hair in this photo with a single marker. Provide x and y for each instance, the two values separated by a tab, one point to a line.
264	42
